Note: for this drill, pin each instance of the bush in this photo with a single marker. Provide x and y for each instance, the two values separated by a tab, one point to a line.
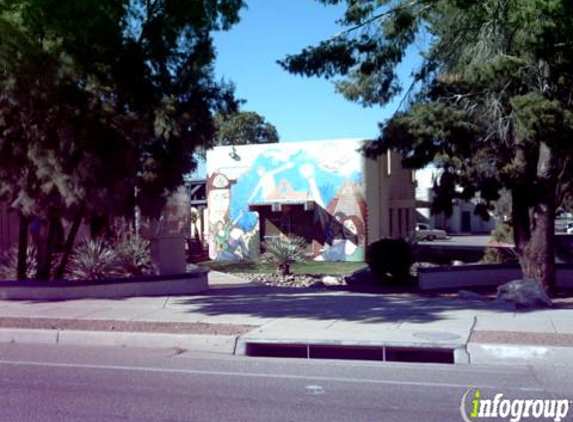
390	259
94	260
503	233
134	256
283	252
492	256
97	259
9	263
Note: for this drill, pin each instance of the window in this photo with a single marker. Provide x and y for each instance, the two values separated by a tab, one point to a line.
388	163
390	222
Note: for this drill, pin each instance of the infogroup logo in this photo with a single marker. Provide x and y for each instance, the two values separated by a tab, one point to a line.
475	407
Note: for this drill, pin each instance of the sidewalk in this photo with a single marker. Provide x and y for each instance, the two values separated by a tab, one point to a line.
235	314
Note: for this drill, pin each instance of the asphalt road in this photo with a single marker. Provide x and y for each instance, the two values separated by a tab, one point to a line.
61	383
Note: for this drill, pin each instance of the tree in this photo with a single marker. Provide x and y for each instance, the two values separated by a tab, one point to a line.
244	127
492	100
99	97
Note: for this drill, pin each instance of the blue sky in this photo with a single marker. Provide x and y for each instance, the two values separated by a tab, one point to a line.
300	108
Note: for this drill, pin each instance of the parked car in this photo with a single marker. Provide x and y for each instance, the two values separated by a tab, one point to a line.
425	232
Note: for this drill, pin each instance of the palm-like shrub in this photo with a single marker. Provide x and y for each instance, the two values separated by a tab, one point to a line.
134	254
9	263
94	260
285	251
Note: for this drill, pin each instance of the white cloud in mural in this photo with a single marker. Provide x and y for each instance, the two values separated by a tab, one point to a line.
277	157
340	160
307	170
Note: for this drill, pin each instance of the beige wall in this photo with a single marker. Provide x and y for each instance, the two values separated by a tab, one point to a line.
390	193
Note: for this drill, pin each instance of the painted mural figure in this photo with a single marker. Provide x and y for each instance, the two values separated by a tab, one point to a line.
347	240
322	186
229	242
307	171
267	185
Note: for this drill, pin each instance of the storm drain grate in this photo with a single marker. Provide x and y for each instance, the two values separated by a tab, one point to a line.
370	353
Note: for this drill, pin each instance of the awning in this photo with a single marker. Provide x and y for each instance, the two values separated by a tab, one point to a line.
276	205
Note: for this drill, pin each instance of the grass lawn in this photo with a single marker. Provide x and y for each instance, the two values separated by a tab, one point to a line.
309	267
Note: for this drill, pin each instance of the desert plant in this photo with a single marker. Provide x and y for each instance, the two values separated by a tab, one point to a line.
134	255
253	250
94	260
9	263
390	259
285	251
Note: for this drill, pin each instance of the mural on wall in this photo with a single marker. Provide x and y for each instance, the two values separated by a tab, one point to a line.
327	175
227	241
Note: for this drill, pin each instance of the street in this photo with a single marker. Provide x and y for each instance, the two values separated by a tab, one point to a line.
65	383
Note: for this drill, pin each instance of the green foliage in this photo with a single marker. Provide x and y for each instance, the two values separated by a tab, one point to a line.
245	127
128	256
503	233
285	251
9	263
492	256
99	97
134	255
491	102
390	259
94	260
254	248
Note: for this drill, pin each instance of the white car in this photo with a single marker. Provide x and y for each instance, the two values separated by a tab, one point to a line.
425	232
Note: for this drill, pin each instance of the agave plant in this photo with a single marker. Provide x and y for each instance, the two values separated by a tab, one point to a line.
135	255
285	251
94	260
9	263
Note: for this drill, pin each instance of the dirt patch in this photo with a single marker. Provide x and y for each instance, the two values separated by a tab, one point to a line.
126	326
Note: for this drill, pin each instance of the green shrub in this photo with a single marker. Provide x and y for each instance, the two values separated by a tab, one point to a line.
134	256
503	233
492	256
9	263
285	251
94	260
390	259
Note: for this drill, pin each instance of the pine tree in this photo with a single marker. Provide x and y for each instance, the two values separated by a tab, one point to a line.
492	101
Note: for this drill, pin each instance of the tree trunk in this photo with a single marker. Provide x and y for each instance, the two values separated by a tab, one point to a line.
45	250
22	247
533	213
68	247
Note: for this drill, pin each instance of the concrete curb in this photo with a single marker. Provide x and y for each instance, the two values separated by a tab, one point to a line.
194	281
518	354
196	342
459	351
472	353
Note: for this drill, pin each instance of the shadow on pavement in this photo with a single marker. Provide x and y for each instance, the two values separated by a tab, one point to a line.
277	302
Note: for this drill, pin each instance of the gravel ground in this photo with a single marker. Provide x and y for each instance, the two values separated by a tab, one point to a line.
314	281
125	326
511	337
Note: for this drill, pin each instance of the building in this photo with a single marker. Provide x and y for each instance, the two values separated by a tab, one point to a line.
327	192
463	218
